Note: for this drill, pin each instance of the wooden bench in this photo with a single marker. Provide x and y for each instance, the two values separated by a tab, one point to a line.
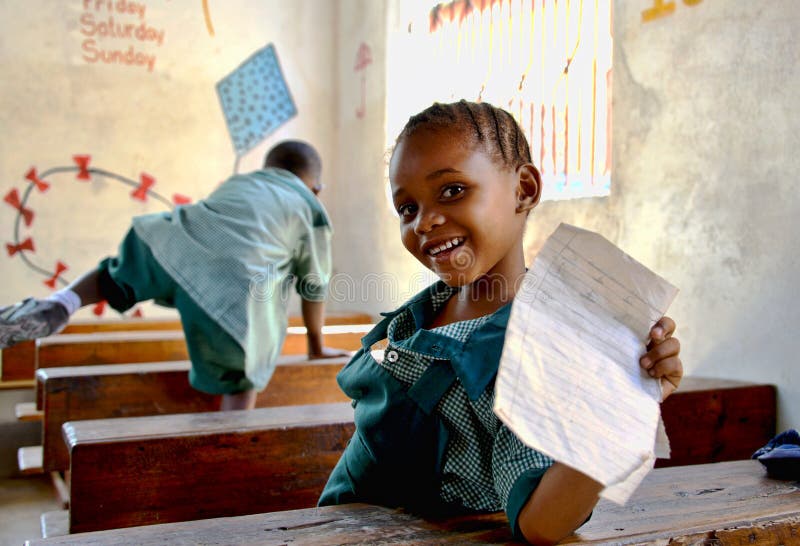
18	363
160	346
199	465
135	390
711	420
167	432
725	504
156	346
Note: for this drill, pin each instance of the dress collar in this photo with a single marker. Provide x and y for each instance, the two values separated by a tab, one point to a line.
475	361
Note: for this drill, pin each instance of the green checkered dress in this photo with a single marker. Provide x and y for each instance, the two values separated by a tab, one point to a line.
483	458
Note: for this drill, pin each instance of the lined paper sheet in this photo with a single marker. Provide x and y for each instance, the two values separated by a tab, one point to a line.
569	383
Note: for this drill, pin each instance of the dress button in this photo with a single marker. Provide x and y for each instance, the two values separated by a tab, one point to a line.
392	356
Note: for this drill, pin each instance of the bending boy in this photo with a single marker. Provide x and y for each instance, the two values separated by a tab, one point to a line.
226	264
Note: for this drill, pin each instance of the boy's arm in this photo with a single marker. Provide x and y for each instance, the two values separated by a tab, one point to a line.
314	318
561	503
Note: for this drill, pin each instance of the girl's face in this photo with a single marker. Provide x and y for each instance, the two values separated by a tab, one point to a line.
461	214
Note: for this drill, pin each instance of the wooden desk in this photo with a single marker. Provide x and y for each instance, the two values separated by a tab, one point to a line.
723	504
136	390
712	420
145	470
19	361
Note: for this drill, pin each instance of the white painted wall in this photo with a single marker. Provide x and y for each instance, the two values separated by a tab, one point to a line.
703	188
705	138
167	123
373	270
705	134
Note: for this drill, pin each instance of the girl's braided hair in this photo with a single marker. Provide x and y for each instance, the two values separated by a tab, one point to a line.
488	126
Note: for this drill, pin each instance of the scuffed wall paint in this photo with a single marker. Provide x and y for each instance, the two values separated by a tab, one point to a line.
703	188
166	122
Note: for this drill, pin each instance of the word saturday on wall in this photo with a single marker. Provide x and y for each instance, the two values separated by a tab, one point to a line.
106	23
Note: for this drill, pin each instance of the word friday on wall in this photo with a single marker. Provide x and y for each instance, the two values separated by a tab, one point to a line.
111	25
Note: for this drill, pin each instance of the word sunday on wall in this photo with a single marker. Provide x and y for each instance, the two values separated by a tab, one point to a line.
108	26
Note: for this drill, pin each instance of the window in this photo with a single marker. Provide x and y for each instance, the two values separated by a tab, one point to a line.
548	62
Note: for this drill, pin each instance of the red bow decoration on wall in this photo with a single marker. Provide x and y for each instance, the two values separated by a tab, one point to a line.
82	161
27	244
41	185
146	182
60	268
12	198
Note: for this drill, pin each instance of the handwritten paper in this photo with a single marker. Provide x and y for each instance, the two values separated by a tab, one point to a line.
569	383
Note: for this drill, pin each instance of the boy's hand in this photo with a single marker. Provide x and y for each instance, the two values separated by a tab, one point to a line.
328	352
662	357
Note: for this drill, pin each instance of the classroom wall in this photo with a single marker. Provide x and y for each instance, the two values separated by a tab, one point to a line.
162	118
58	101
705	134
372	270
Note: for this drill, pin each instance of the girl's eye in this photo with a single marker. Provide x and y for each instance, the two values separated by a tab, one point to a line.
452	191
407	210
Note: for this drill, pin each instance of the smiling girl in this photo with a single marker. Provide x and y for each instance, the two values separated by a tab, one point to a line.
426	438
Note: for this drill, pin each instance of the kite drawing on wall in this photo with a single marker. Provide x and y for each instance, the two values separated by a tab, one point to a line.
255	100
24	248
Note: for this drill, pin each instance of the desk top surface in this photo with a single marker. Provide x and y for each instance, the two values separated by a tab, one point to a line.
693	502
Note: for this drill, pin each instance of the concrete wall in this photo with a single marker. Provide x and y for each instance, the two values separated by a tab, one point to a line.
704	152
373	271
703	191
165	121
703	187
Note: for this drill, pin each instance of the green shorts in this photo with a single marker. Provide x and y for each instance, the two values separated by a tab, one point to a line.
135	275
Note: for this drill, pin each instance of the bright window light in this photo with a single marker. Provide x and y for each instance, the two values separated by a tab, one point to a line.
547	62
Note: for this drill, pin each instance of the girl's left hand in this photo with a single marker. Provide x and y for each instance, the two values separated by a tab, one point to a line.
662	358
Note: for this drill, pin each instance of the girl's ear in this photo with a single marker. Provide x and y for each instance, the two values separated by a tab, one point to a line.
529	188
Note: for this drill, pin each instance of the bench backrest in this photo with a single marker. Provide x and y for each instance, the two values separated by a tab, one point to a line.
19	361
201	465
135	390
155	346
711	420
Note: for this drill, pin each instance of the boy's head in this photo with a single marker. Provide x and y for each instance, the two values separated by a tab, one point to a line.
300	159
463	185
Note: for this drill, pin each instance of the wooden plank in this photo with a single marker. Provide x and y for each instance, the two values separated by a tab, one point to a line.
61	488
135	390
122	325
341	336
189	466
19	362
725	504
155	346
689	501
16	384
712	420
26	411
29	460
337	318
55	523
110	348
